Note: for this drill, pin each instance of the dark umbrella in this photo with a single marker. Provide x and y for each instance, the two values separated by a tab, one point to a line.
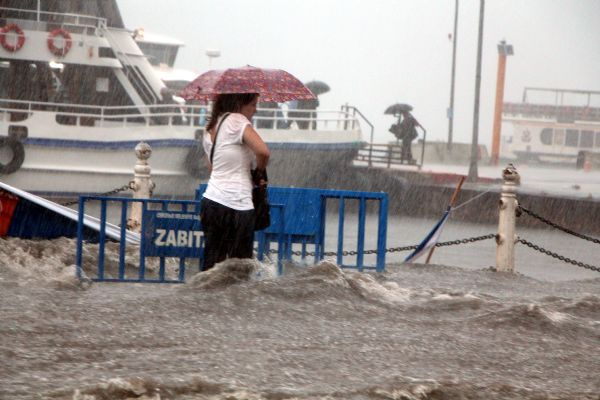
272	84
398	108
317	87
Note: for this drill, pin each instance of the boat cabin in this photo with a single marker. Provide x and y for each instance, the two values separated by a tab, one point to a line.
553	131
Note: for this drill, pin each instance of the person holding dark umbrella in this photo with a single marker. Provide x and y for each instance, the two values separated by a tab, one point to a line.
408	132
307	107
405	129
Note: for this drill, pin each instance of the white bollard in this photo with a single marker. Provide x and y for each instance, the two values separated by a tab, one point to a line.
506	238
142	185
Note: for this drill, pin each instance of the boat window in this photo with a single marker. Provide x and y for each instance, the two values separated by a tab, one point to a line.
106	52
597	139
572	138
559	137
587	139
546	136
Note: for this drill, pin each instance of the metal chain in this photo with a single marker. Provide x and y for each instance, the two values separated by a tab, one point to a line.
556	226
109	193
467	240
394	249
558	256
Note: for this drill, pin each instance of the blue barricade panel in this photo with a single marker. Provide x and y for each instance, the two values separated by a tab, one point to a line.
172	234
298	217
171	240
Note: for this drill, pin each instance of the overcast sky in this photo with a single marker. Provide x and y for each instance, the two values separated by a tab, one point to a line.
374	53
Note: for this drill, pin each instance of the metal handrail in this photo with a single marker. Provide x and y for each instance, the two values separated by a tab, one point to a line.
122	56
168	111
101	109
75	18
360	114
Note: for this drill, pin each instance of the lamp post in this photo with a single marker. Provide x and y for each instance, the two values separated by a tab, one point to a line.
212	53
503	51
451	107
474	142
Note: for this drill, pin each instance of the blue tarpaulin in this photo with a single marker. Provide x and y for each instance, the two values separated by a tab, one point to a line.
27	216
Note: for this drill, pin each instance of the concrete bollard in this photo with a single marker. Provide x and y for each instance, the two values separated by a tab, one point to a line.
506	238
141	185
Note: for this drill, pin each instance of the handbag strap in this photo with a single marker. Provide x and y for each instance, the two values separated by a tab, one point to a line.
212	150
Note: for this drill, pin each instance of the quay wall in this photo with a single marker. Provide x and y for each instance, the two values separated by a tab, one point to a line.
421	195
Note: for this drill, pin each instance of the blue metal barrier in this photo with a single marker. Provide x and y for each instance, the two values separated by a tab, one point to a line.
298	216
170	229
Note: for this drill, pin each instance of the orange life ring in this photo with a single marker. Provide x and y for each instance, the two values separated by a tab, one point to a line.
20	40
59	51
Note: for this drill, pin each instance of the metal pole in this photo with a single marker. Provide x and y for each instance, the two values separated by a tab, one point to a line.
498	109
503	51
474	143
451	108
506	238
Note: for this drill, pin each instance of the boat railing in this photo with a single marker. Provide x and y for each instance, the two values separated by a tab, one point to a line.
90	115
45	21
561	113
171	114
141	85
305	119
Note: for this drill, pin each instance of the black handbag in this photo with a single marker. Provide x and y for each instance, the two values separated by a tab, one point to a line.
262	209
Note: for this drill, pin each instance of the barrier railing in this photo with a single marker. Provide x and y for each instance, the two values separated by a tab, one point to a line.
170	114
302	218
41	19
170	233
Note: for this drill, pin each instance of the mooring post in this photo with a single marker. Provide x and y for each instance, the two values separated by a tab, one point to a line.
142	185
506	238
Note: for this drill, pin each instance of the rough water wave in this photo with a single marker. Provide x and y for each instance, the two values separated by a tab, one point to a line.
240	332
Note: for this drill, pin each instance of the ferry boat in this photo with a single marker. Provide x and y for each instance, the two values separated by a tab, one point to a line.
77	94
553	132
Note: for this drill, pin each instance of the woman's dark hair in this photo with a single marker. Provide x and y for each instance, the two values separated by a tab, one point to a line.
228	102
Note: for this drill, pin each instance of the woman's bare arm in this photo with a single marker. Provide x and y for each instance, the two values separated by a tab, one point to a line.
258	147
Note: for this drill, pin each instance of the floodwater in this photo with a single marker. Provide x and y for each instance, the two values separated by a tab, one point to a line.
454	330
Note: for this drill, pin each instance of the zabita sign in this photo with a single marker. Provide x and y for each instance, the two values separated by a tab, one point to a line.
172	234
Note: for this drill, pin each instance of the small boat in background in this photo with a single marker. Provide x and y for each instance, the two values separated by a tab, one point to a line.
552	131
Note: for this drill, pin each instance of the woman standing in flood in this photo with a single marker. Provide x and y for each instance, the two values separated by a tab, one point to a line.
227	211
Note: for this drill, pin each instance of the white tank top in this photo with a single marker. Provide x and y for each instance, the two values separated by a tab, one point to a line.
230	183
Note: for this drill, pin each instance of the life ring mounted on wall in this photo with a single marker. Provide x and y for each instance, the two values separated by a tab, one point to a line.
67	42
20	37
18	155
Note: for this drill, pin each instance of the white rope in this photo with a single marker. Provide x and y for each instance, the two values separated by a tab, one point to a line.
471	199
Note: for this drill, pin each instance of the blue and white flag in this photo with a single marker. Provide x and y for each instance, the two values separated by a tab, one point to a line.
430	240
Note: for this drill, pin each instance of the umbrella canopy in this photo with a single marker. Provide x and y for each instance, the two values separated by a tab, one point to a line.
398	108
317	87
272	84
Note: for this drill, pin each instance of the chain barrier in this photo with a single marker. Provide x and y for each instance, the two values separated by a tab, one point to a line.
109	193
558	256
556	226
394	249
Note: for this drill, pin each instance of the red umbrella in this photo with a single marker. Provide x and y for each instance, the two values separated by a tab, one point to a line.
272	84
